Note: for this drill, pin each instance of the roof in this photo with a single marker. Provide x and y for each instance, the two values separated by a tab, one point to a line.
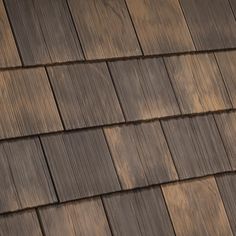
117	117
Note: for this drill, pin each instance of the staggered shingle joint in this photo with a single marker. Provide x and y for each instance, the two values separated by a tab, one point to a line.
116	120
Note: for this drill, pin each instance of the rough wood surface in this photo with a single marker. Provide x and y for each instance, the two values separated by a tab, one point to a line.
141	154
227	187
144	89
44	31
105	28
27	105
212	23
227	126
227	65
24	177
160	26
80	218
198	83
8	51
85	95
196	146
22	224
138	213
196	208
80	163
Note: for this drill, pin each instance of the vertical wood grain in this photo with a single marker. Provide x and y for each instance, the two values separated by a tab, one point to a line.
27	105
212	23
141	212
144	89
196	208
160	26
85	95
80	164
198	83
105	28
196	146
140	154
85	217
8	50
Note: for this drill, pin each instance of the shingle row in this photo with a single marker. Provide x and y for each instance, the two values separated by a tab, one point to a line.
48	32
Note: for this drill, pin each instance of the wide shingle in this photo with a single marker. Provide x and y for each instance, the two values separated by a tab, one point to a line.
196	208
105	28
23	224
24	177
211	23
140	154
85	95
196	146
160	26
86	217
144	89
8	50
198	83
27	105
44	31
138	213
81	164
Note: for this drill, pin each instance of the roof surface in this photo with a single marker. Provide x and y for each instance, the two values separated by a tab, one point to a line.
117	117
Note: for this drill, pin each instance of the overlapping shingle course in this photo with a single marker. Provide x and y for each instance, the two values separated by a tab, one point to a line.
117	117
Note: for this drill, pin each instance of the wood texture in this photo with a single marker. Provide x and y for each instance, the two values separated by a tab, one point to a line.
227	126
8	51
44	31
23	224
79	218
144	89
233	6
141	154
27	105
198	83
105	28
227	187
196	208
227	65
24	177
160	26
211	24
138	213
85	95
196	146
80	164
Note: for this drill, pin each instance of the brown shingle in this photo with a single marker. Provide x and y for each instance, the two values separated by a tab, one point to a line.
24	177
196	146
105	28
44	31
160	26
8	51
141	154
141	212
144	89
227	65
27	103
227	187
211	23
85	95
23	224
86	217
196	208
198	83
227	126
81	164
